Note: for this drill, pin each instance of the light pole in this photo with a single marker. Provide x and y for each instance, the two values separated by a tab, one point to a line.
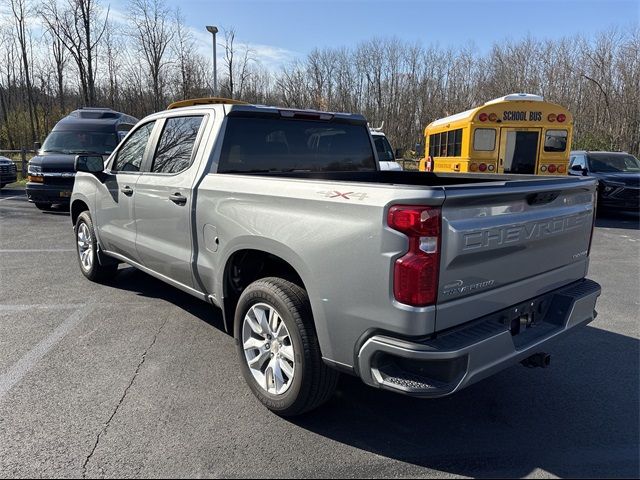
213	30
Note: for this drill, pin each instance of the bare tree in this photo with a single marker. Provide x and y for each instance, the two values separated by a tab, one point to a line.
79	27
153	32
23	34
238	69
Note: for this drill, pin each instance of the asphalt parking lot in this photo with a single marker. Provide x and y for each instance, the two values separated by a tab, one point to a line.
138	379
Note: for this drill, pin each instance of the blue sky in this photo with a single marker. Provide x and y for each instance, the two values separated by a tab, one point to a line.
280	30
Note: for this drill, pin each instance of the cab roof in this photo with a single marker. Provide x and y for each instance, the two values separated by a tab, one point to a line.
237	108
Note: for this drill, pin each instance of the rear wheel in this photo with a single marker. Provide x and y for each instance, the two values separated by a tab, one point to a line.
87	248
43	206
278	348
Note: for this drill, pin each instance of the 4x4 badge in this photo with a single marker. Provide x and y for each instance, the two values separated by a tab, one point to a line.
346	195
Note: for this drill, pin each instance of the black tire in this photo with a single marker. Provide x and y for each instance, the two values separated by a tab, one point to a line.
96	272
44	206
314	382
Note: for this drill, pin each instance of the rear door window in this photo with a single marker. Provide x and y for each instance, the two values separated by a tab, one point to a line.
175	147
555	141
273	144
130	155
484	139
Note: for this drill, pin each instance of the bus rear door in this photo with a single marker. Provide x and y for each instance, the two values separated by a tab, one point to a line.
519	150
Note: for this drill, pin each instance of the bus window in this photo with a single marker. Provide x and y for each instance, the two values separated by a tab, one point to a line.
484	140
457	143
555	141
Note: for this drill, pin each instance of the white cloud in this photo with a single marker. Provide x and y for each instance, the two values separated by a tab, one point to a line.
269	56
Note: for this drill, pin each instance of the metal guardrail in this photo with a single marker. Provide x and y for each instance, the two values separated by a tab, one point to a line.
23	158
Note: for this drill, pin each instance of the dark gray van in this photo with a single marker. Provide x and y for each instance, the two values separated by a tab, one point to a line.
88	130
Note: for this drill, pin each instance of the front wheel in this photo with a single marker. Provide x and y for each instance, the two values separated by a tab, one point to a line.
87	248
278	348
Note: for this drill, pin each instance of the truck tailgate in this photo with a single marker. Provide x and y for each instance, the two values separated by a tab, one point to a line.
503	244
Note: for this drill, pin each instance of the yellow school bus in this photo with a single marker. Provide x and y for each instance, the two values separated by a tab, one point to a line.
517	133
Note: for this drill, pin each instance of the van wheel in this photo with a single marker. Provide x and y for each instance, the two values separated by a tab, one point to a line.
87	248
278	348
43	206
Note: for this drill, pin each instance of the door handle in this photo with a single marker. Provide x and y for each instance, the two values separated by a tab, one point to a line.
127	190
178	199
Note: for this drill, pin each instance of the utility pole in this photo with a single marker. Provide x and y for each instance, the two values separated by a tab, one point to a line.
213	30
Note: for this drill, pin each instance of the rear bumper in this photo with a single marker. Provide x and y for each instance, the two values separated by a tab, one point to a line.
37	192
478	349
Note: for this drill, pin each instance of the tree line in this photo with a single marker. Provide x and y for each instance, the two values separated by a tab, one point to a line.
56	56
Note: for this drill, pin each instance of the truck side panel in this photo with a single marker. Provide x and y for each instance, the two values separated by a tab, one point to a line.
348	276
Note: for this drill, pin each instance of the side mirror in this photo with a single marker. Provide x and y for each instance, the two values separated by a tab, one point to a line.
399	153
89	163
577	170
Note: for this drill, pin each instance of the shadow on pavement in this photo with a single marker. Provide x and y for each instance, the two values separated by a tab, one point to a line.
578	418
134	280
624	220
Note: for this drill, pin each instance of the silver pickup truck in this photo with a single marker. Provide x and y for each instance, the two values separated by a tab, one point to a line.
419	283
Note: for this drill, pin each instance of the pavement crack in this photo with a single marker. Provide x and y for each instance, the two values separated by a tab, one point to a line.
121	401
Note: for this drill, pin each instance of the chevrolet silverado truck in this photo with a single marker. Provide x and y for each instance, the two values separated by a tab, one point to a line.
322	263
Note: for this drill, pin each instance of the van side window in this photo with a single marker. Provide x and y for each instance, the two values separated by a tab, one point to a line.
130	155
175	147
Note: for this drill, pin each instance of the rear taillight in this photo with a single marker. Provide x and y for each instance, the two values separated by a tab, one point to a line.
415	275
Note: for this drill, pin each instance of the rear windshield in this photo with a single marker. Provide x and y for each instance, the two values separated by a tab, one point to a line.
80	141
290	145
